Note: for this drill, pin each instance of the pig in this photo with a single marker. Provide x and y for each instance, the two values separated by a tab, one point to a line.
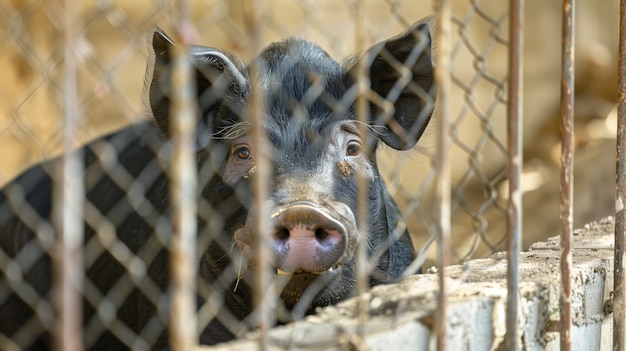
319	151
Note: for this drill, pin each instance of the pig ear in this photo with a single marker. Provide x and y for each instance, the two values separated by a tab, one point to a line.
401	72
220	85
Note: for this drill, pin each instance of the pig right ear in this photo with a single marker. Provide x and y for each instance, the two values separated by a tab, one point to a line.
401	73
220	86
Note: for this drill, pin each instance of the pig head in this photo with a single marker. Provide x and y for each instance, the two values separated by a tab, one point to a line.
319	151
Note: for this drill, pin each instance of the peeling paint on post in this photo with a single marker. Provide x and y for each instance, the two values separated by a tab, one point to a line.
514	130
619	303
567	170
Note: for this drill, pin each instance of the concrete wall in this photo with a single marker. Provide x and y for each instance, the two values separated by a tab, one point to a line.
400	316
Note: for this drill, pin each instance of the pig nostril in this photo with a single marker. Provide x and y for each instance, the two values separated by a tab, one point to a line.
282	234
321	234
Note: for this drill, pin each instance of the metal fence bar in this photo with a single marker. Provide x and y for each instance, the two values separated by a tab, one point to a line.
263	291
619	299
67	259
567	169
444	84
183	333
514	130
362	82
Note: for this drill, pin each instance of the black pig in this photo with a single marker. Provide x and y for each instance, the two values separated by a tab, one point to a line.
318	155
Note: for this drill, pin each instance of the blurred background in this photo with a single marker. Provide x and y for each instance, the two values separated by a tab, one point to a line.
114	49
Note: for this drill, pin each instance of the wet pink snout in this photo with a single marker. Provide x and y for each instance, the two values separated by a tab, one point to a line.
306	238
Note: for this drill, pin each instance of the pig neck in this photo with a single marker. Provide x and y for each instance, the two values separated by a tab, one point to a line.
399	248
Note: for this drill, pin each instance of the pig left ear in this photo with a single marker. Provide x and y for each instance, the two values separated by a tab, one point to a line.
220	85
401	72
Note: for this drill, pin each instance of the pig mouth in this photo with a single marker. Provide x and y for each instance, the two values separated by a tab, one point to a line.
332	270
311	252
303	292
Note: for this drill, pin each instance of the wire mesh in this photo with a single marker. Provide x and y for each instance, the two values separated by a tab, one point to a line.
123	260
127	213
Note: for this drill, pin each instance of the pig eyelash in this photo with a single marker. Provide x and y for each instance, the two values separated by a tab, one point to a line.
232	132
375	128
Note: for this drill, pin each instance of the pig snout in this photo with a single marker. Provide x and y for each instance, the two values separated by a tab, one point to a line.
306	238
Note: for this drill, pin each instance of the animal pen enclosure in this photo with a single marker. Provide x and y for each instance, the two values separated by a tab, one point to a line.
74	71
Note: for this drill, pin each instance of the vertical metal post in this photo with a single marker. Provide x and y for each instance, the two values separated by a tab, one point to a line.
263	290
444	87
183	325
263	285
514	130
363	84
67	258
619	298
567	169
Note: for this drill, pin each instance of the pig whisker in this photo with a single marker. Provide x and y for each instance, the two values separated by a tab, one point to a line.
238	273
231	254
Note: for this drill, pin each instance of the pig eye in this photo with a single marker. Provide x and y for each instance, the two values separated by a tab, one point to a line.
242	153
353	149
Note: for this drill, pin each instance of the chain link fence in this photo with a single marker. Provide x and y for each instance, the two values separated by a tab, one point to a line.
128	224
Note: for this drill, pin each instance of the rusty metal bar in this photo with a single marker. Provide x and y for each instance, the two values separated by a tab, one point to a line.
619	298
444	84
67	259
264	295
183	326
514	130
567	169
